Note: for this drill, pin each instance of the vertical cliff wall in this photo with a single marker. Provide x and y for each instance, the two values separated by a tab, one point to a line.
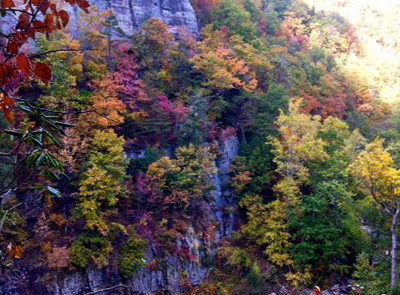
131	14
32	278
38	279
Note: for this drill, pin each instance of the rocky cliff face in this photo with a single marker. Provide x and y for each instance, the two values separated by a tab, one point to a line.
131	14
168	275
224	203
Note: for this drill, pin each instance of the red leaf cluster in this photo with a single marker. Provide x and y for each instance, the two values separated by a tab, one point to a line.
34	16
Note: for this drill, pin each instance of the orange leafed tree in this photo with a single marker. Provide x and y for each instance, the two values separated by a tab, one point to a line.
220	64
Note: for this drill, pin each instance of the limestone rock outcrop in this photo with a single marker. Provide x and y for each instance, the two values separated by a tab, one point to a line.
131	14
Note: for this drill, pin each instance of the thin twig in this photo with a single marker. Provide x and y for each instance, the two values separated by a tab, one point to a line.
108	289
5	194
3	219
51	51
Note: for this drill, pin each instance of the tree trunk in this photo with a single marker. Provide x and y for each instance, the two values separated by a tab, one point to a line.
394	273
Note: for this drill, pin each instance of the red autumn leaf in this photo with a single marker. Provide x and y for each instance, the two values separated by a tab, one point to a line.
43	72
49	20
5	105
5	4
58	24
39	26
3	73
13	46
31	33
6	72
37	2
18	252
24	64
64	17
24	19
84	5
44	6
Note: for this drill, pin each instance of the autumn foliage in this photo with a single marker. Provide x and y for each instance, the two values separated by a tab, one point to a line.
34	16
241	149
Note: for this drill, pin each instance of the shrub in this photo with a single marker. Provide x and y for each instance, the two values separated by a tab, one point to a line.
91	247
132	256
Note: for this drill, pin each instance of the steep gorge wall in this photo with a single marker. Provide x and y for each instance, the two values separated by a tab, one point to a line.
131	14
28	279
36	279
169	277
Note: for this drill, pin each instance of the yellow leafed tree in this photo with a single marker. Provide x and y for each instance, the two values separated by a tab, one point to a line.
379	176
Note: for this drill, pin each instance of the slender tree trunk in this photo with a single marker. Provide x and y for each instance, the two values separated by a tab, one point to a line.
133	16
394	272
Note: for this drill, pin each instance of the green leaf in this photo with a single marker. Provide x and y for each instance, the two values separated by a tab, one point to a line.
31	160
37	140
50	175
53	139
40	159
55	192
26	108
51	117
53	161
15	133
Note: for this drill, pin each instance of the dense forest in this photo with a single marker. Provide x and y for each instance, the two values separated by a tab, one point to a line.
215	147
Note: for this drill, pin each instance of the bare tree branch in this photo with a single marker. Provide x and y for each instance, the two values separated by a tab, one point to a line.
3	219
108	289
52	51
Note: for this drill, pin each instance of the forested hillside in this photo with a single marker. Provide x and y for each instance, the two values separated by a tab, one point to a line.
204	147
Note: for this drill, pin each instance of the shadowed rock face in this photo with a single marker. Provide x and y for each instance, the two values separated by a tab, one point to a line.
131	14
